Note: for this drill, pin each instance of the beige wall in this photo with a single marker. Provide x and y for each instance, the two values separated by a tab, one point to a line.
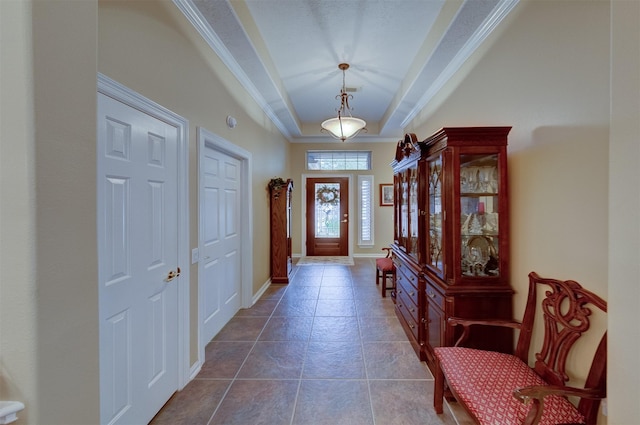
49	304
381	156
18	356
624	226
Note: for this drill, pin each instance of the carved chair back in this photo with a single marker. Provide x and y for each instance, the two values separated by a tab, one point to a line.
566	308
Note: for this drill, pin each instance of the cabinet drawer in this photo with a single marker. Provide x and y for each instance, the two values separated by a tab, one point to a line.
405	308
407	290
404	274
407	304
434	296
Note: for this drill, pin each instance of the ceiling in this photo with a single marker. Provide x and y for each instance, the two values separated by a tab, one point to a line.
401	53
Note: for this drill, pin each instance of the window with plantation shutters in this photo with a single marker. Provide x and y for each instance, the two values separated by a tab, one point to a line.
365	189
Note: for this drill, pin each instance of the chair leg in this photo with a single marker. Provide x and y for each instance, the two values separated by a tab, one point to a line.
384	284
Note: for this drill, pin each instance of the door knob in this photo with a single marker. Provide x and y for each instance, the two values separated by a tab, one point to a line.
172	275
344	221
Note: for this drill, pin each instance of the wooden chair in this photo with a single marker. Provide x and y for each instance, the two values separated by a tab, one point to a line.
385	269
497	388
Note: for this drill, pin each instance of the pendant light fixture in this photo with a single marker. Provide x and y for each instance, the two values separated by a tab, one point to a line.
344	126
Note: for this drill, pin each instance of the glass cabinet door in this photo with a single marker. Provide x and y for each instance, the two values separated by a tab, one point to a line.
434	223
404	210
479	215
412	238
397	215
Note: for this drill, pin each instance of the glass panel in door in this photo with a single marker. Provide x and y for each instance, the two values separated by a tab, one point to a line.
327	210
412	236
327	216
434	247
404	209
479	217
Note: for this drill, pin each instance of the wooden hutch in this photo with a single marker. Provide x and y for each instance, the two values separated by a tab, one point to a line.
451	236
280	224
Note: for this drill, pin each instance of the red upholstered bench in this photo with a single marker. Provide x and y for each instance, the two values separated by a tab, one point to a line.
497	388
385	269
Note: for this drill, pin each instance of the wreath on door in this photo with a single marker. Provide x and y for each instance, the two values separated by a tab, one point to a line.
328	196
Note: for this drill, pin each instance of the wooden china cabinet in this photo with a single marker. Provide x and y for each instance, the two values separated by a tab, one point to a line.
280	224
451	236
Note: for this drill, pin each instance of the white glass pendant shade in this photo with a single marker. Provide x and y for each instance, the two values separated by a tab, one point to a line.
343	128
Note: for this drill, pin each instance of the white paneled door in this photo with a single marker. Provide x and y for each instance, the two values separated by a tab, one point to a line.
138	262
220	235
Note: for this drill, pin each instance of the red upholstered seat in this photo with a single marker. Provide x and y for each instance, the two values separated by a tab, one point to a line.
384	264
386	269
485	380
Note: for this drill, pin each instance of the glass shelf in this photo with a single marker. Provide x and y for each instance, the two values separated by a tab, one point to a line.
477	194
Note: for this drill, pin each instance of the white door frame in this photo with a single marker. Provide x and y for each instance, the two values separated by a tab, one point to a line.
208	139
135	100
303	208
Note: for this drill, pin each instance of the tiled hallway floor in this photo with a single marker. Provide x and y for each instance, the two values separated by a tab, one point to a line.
325	349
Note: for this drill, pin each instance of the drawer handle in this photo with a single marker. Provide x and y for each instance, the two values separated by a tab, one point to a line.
431	294
412	293
412	326
413	310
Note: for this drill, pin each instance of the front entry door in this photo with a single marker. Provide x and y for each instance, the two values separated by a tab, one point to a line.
327	216
138	262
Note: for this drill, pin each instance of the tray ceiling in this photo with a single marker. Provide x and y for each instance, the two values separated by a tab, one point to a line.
286	54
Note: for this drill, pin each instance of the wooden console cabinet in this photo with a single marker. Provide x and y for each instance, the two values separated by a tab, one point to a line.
451	236
280	224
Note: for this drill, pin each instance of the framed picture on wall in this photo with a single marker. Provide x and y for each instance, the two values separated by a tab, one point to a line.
386	195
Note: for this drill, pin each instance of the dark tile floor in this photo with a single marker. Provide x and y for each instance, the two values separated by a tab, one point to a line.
325	349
